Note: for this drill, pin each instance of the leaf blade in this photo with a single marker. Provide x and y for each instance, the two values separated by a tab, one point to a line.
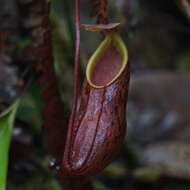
6	124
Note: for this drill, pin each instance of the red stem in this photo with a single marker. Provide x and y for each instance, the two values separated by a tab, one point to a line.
82	183
77	61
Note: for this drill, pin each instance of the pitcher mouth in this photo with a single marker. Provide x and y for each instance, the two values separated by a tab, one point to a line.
108	62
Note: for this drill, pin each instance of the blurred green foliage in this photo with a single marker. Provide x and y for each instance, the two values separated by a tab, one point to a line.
183	62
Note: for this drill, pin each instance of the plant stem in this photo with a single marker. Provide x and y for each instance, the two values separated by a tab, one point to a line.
76	62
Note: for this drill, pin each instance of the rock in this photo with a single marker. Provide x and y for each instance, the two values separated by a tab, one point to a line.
172	158
8	82
159	107
159	121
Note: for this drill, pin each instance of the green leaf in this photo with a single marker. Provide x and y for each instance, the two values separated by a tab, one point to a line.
6	125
